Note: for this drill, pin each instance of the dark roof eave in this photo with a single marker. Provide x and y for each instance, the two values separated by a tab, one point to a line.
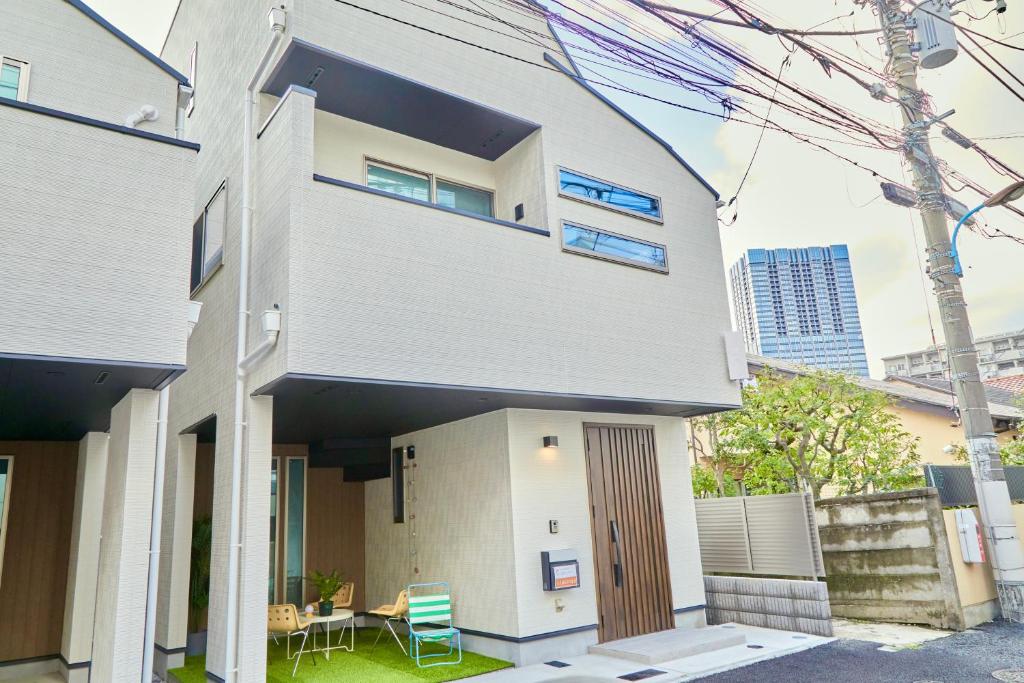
127	40
651	134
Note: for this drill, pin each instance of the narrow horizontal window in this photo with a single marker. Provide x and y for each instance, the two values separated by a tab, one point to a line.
577	185
469	199
590	242
404	183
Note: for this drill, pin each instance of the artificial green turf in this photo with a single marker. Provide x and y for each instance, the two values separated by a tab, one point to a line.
386	664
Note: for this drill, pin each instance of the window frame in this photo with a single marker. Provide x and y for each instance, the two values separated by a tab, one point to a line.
25	70
206	275
193	58
468	186
659	219
608	257
5	510
432	179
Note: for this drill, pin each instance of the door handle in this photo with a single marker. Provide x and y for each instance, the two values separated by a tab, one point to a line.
617	567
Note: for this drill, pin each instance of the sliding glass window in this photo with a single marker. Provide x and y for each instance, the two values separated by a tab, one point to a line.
578	186
398	181
463	198
586	241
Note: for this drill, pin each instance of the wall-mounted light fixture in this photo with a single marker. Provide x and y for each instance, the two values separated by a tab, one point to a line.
550	442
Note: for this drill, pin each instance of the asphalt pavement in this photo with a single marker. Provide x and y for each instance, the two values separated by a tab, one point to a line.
968	657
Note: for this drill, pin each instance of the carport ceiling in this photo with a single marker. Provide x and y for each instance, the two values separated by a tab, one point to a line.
315	409
60	399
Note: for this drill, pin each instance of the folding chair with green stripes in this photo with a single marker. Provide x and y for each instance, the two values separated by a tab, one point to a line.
430	607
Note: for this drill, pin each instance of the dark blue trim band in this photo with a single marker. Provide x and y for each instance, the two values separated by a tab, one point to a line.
651	134
691	608
169	650
28	660
124	38
363	188
96	123
76	665
572	62
214	677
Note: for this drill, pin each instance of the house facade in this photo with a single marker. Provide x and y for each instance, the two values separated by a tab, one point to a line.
94	241
447	248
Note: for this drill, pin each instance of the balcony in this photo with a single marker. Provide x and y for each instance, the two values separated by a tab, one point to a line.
391	301
94	240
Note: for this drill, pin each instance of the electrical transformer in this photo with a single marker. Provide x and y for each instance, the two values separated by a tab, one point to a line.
936	35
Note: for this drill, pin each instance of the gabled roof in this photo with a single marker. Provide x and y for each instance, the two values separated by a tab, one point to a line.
992	393
898	390
1013	384
127	40
651	134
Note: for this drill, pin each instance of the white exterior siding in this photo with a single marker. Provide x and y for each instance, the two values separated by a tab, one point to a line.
78	66
94	238
463	523
552	483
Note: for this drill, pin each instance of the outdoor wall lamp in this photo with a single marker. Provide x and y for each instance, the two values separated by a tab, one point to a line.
550	442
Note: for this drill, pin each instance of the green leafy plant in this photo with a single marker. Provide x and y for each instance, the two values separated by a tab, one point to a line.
199	573
326	584
809	432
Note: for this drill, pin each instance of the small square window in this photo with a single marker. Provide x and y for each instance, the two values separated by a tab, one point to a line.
13	79
208	238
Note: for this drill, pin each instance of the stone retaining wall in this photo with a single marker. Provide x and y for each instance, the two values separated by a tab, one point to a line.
771	603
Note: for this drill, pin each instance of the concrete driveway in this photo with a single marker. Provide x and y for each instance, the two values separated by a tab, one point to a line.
960	658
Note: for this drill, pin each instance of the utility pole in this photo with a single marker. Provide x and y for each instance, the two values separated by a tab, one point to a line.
997	518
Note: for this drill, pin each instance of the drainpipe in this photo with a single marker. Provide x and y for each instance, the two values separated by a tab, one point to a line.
184	96
160	467
277	26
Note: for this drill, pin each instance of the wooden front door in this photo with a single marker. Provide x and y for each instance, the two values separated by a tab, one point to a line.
634	594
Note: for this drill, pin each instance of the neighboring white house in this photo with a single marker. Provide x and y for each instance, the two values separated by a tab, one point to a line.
94	232
466	250
999	355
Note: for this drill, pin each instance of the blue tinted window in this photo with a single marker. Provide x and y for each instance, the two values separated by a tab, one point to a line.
615	247
606	193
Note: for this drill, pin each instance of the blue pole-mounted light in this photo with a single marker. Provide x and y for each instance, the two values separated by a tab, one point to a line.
953	252
1004	196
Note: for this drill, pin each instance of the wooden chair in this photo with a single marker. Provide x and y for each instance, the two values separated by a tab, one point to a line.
392	614
285	620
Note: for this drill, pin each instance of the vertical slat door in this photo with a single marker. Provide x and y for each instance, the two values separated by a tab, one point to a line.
631	558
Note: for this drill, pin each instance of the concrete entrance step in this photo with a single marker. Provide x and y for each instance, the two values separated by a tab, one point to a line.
664	646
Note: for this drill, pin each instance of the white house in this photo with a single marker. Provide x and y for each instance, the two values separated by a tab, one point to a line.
96	189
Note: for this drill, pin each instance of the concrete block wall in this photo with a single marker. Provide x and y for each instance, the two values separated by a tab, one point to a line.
771	603
887	558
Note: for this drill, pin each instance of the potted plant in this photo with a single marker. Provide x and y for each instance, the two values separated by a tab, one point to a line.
326	586
199	585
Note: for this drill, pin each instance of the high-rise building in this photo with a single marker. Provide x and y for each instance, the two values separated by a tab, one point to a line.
800	305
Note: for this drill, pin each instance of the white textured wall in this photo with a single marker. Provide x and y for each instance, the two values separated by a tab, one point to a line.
463	523
124	552
552	484
80	67
477	304
94	237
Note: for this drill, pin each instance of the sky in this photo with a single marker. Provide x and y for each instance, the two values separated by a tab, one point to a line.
797	196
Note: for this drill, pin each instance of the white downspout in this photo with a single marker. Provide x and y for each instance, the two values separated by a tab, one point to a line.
277	26
160	469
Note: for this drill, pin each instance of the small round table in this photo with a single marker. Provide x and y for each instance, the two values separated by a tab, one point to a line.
346	616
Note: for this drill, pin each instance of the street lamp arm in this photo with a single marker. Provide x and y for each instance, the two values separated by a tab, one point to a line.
953	252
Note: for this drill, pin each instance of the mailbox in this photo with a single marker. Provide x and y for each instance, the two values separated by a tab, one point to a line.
561	569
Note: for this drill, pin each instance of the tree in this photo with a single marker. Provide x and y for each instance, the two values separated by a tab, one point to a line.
1010	452
816	430
716	468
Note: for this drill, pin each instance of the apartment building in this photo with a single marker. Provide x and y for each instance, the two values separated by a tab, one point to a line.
94	235
471	284
800	305
999	355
